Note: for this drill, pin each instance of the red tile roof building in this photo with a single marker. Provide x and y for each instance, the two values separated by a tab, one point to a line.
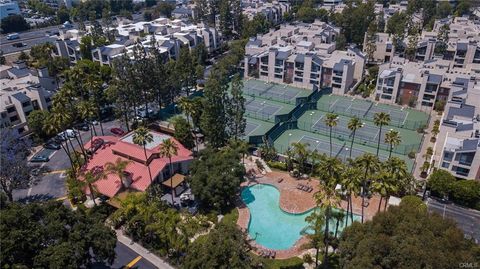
124	148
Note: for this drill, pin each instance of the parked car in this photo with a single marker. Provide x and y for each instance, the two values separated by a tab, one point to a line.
39	159
117	131
52	145
19	45
96	144
82	127
67	133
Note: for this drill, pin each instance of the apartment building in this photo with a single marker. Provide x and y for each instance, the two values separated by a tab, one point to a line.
8	8
273	11
304	56
68	44
167	35
458	143
420	84
23	91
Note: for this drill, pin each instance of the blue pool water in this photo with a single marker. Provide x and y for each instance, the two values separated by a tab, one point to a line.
270	226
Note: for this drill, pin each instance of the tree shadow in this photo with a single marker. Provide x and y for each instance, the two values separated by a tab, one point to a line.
35	198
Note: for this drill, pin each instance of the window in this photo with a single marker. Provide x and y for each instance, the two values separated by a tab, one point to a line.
21	130
445	164
298	79
25	104
448	156
461	171
278	76
11	109
13	118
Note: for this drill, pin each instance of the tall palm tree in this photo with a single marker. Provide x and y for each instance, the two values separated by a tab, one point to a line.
61	118
383	185
380	119
331	121
314	231
118	168
90	177
354	124
315	157
370	164
52	128
392	138
351	183
141	137
186	105
301	153
327	198
169	149
338	216
87	113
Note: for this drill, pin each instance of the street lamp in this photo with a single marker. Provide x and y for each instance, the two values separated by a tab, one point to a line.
288	144
345	155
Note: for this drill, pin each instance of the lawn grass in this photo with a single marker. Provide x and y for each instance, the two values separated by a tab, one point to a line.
291	263
230	217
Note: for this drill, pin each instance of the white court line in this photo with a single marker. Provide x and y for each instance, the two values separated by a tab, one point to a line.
317	121
348	108
258	125
405	119
274	113
334	103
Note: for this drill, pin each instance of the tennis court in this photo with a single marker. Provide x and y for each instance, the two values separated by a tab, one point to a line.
314	121
256	127
259	108
340	149
270	91
366	109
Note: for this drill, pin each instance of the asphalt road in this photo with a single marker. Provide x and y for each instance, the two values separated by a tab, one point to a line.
125	256
467	220
51	183
30	38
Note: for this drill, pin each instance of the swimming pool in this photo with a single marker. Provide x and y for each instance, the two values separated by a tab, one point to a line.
270	226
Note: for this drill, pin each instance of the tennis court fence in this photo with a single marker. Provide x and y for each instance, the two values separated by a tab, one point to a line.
363	140
405	123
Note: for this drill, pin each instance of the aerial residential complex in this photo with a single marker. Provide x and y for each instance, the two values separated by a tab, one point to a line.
273	11
169	36
22	91
304	56
458	143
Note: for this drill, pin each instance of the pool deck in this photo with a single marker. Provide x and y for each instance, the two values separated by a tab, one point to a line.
294	201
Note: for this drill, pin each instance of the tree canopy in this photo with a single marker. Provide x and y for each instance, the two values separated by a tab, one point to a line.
216	176
14	23
405	236
49	235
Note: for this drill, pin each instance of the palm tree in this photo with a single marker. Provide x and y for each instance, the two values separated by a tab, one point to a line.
52	127
383	185
370	164
314	231
186	105
354	124
118	168
61	119
315	157
91	176
338	216
288	162
327	198
87	113
351	183
331	121
380	119
169	149
301	153
392	138
141	137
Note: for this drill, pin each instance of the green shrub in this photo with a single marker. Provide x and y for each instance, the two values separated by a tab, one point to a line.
411	154
277	165
466	193
440	183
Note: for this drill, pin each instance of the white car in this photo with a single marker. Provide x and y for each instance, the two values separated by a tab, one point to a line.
67	133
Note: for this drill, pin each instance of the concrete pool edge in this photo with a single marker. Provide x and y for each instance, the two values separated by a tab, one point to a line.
244	219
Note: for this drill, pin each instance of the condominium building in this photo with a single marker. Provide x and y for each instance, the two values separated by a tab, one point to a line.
8	8
304	56
458	143
23	91
273	11
420	84
167	35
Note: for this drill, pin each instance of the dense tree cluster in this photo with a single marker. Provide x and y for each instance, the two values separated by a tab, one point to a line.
51	235
13	23
463	192
406	236
156	226
216	176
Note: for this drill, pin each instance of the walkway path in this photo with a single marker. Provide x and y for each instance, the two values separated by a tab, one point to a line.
145	253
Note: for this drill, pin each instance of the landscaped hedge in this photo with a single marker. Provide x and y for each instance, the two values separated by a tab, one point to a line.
277	165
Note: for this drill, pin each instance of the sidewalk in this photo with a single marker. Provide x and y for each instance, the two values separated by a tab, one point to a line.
419	159
145	253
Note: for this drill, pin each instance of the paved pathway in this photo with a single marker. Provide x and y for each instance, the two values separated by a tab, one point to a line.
145	253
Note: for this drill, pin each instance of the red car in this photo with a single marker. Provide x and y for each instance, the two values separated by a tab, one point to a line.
117	131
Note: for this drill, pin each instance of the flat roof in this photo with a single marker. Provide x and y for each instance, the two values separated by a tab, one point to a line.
157	139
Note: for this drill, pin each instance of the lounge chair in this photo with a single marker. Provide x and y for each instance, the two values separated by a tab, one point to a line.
299	187
280	180
310	190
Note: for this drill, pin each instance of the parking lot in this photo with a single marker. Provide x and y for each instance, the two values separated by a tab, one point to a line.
50	181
